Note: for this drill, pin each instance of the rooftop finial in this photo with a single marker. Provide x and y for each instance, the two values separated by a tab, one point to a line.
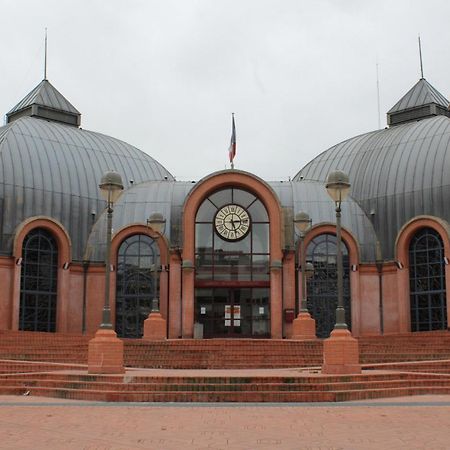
420	55
45	56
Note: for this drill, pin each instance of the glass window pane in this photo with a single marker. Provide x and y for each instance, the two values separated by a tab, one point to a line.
258	212
204	237
260	232
242	198
206	212
221	198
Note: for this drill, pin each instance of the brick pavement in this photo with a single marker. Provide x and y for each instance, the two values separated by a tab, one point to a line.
406	423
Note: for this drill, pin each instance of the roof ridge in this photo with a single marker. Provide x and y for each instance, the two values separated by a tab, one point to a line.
421	94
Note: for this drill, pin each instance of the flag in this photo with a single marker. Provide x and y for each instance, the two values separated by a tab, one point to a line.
232	147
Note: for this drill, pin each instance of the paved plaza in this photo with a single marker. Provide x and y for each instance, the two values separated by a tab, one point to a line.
421	422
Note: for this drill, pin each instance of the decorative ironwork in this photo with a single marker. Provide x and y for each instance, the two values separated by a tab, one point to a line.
427	281
322	287
135	285
38	282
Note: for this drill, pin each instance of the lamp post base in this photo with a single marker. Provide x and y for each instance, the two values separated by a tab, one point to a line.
303	327
341	353
155	327
105	353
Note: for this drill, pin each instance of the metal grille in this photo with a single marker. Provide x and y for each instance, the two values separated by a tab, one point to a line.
427	281
322	287
137	260
38	282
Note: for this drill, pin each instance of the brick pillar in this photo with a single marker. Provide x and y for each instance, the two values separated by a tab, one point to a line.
341	353
105	353
276	301
288	287
304	326
175	295
155	327
187	320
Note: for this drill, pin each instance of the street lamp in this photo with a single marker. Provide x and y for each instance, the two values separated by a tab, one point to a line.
156	222
338	187
110	187
303	223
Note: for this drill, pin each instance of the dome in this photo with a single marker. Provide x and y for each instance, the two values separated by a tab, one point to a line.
168	197
52	168
396	173
136	205
312	197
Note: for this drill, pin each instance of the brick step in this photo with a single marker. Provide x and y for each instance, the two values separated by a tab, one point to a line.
224	396
182	378
241	387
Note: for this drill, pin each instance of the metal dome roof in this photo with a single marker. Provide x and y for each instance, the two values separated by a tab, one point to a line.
53	169
167	198
396	173
136	205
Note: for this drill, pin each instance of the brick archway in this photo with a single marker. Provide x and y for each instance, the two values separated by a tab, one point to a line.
354	259
64	256
258	187
163	247
402	242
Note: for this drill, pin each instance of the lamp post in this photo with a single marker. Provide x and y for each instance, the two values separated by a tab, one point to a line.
304	326
303	223
338	187
155	325
340	350
110	187
156	222
379	266
105	350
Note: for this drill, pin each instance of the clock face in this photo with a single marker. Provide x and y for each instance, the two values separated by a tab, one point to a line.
232	222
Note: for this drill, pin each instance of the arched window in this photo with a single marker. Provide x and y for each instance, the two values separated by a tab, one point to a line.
322	287
136	262
38	282
232	281
427	281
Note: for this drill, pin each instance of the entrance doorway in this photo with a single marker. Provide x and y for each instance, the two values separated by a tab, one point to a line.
233	312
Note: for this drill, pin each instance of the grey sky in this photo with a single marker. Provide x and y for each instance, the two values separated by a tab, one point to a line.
166	75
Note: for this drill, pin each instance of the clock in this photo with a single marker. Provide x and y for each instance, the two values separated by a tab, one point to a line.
232	222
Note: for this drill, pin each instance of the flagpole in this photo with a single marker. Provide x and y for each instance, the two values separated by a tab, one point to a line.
232	147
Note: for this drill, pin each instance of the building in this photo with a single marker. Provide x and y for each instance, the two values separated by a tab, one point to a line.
240	281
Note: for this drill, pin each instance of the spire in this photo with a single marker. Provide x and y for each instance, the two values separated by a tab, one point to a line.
46	102
421	101
45	56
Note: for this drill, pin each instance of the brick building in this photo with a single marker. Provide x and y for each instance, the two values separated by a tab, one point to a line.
235	282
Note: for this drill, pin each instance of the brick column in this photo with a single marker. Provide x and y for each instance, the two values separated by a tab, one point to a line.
175	296
276	301
155	327
105	353
187	320
341	353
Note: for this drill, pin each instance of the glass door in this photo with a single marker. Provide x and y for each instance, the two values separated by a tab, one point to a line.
232	313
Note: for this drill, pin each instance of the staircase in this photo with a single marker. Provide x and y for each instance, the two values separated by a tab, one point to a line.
221	388
223	370
222	354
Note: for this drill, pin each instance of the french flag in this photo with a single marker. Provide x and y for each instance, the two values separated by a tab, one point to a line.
232	147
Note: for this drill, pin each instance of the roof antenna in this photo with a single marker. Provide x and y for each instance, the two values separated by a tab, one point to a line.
378	96
45	56
420	55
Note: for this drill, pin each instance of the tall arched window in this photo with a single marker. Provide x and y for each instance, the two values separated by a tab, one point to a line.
136	262
232	281
322	287
427	281
38	282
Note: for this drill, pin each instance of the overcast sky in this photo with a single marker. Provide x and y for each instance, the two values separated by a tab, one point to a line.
165	76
